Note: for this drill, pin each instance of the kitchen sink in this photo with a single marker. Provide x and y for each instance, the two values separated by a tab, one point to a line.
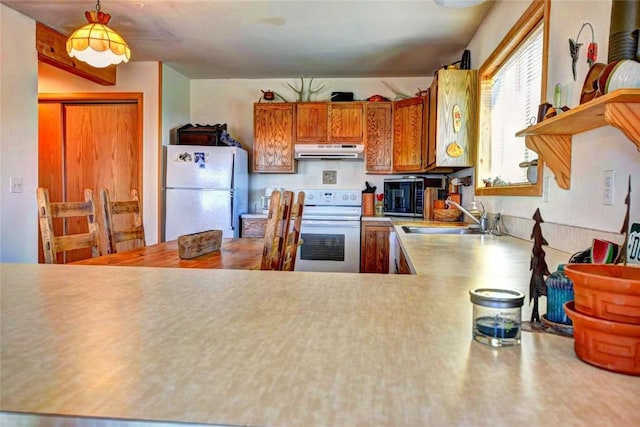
440	230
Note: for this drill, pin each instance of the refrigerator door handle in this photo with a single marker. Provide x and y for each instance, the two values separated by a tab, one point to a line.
232	213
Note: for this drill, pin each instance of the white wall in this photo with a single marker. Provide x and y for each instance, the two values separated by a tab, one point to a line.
593	152
175	102
18	137
231	101
175	113
132	77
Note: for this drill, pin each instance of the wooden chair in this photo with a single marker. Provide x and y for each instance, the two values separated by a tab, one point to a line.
277	226
282	235
52	244
131	231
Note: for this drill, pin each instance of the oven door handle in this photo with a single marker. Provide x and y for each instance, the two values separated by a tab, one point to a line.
321	223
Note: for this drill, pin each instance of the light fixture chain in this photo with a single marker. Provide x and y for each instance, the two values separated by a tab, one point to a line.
98	5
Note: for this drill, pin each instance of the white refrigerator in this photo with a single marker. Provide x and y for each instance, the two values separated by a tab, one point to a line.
206	188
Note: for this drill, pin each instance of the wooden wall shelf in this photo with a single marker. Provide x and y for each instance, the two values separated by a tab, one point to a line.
551	139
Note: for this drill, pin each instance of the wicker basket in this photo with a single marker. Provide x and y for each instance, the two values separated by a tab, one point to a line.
449	215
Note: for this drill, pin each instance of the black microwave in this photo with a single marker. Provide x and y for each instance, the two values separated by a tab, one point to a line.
405	196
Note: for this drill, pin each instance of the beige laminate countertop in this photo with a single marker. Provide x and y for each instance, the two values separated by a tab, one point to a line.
295	349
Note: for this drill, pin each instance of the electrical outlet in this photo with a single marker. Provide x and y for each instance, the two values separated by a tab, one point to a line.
16	184
329	177
609	184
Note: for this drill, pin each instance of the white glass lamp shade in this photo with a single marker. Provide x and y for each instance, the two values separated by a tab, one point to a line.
97	44
459	4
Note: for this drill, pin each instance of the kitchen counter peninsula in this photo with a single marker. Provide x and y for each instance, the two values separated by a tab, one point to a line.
236	347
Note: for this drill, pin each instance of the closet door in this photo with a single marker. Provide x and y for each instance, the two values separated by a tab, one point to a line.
99	148
50	162
101	151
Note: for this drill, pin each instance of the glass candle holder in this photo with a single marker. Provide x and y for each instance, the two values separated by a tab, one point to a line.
497	316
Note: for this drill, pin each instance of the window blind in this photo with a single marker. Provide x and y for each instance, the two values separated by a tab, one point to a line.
510	99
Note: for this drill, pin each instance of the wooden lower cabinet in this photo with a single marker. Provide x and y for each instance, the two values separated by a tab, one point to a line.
374	246
253	227
401	264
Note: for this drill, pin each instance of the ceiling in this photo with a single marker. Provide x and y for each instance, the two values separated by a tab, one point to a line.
208	39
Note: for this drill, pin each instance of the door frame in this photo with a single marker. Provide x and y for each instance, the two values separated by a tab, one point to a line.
102	98
109	98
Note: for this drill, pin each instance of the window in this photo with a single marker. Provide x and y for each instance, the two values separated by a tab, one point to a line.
512	85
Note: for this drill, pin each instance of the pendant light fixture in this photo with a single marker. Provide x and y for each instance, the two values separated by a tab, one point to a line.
458	4
96	43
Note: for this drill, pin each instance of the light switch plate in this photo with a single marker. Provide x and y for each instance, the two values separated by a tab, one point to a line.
16	184
329	177
609	184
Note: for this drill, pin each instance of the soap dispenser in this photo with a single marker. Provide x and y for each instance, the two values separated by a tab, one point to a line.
475	211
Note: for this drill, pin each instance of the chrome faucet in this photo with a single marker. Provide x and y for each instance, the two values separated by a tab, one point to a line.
483	222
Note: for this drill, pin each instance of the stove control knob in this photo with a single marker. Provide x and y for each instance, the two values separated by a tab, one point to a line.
345	197
310	196
353	197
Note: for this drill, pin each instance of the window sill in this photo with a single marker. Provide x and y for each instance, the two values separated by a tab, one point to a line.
530	190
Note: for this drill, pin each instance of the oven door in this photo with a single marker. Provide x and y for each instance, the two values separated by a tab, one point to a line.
329	245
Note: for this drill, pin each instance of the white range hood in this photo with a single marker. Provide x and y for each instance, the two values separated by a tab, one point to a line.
329	151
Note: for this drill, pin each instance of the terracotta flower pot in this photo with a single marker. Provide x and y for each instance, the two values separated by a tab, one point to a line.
606	291
608	345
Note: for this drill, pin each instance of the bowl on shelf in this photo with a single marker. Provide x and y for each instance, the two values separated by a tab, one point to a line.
621	74
606	291
614	346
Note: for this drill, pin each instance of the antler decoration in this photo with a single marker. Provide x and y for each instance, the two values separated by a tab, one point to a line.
311	91
301	91
396	92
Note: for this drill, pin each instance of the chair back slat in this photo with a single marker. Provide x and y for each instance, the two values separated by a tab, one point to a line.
74	241
71	209
126	207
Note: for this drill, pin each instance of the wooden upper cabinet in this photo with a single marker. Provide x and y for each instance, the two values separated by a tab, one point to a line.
346	122
312	122
329	122
432	125
409	136
273	138
378	128
454	119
